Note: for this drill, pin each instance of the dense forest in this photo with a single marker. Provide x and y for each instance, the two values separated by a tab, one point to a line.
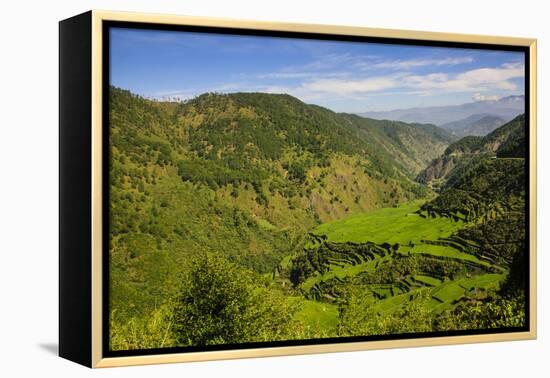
253	217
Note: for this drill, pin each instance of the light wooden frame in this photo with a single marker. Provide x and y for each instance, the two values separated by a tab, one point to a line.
97	19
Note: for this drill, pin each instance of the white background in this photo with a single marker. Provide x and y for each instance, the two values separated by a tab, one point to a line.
29	189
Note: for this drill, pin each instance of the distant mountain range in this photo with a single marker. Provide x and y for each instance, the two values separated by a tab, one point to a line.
476	124
473	118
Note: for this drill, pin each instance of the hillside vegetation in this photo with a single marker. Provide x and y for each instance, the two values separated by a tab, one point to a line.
506	141
256	217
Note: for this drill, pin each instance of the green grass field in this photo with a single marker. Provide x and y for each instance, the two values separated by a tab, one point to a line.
446	251
396	302
318	315
388	225
454	290
428	280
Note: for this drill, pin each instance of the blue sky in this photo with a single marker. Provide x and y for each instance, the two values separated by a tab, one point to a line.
342	76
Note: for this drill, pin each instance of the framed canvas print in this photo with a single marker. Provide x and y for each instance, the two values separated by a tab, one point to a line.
234	189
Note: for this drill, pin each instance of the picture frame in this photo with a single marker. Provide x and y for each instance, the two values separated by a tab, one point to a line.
84	237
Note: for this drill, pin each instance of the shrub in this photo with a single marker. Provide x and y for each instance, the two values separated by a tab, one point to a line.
219	303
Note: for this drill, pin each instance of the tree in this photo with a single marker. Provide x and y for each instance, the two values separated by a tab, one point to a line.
514	285
219	303
358	315
488	313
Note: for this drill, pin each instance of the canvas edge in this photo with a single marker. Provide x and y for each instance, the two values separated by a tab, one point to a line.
533	188
74	275
97	183
98	361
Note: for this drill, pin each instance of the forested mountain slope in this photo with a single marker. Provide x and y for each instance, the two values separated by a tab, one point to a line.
245	176
506	141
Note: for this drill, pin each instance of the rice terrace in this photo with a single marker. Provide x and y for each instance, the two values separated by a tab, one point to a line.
330	189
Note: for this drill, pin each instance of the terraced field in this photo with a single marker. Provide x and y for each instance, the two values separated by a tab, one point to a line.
400	255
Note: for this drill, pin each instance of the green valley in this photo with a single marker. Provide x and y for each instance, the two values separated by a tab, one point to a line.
254	217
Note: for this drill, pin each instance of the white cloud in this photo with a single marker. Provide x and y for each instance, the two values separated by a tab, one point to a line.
477	80
412	63
316	68
275	89
343	86
328	86
480	97
300	75
331	62
496	77
325	62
